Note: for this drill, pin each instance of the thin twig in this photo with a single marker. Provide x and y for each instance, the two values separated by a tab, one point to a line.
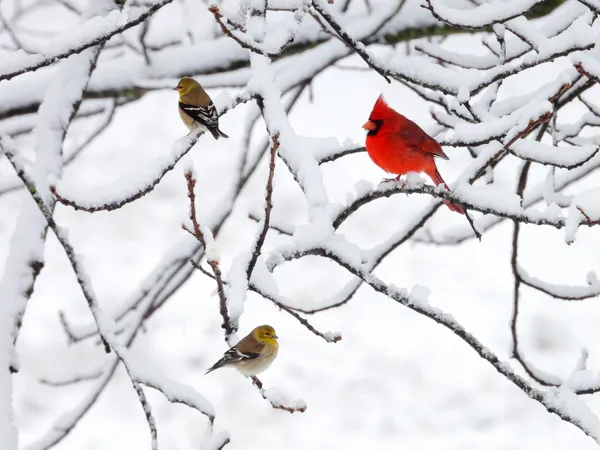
244	44
229	327
182	148
481	24
143	32
327	337
260	240
280	229
110	341
276	405
73	50
355	46
423	308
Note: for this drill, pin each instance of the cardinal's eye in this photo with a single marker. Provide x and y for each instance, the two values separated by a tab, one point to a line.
378	123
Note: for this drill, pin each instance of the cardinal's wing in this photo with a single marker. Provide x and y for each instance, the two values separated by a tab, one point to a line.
414	137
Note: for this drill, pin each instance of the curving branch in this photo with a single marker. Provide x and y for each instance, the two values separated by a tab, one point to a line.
282	304
206	239
155	176
103	36
349	41
173	391
481	16
260	239
552	401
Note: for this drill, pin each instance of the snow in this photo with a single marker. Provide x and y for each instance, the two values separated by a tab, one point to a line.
27	243
238	286
362	187
587	203
509	125
563	291
580	379
590	65
459	59
490	196
563	156
128	187
175	392
522	27
333	336
54	115
11	287
568	401
82	36
263	279
549	89
215	441
482	15
278	398
418	295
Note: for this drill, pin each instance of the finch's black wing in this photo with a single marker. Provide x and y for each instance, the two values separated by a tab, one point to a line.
233	356
205	115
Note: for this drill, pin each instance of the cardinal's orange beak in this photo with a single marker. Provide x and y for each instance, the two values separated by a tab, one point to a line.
369	126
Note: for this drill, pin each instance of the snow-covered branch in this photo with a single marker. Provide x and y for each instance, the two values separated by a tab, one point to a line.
88	34
138	376
416	300
206	239
273	53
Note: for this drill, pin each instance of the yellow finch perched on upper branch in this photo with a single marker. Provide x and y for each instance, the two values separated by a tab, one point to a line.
196	108
253	354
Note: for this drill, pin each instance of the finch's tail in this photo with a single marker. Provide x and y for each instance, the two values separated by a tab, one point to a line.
220	363
217	133
437	180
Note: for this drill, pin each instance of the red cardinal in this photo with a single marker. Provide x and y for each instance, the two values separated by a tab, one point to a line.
398	145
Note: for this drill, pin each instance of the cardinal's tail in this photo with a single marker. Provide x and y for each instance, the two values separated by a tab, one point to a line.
437	180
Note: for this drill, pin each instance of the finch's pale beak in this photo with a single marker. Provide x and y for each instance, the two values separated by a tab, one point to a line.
175	88
369	126
275	336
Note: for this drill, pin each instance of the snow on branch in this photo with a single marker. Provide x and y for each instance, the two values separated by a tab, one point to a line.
349	41
230	325
594	5
561	402
485	199
89	34
174	269
272	50
206	239
562	292
174	392
277	401
258	285
135	186
138	376
55	116
481	16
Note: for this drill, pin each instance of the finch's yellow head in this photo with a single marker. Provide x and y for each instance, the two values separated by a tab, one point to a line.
186	85
265	333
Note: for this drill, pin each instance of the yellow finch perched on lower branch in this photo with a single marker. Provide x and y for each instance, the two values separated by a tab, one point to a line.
196	108
253	354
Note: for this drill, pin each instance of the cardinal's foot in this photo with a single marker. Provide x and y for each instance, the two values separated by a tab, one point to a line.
400	182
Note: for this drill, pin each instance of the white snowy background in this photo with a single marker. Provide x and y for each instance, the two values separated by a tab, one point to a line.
395	380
